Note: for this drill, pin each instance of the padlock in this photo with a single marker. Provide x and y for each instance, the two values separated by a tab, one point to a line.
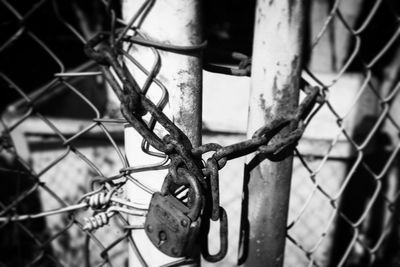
171	225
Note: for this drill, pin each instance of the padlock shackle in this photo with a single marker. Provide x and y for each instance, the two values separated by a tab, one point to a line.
189	179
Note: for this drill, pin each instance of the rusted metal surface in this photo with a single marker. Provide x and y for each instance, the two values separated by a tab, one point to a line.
358	36
284	131
223	235
174	132
176	145
172	226
174	29
276	66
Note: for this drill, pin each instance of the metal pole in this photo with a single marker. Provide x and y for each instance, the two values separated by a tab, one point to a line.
276	67
175	22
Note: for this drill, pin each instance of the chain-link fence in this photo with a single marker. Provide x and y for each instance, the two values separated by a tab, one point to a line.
62	139
344	199
55	142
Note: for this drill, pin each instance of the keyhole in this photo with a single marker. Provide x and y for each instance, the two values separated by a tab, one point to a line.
162	236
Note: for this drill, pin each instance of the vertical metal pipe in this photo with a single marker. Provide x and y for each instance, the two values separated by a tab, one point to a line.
176	22
276	67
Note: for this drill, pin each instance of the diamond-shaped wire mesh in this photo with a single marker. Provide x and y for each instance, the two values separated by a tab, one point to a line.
51	144
56	138
345	185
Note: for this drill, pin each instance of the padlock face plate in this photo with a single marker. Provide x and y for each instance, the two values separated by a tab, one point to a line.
167	225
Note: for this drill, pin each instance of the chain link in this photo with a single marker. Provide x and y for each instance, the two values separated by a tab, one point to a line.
175	151
176	145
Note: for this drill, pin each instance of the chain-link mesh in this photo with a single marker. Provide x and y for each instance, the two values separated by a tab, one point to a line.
54	141
344	206
60	134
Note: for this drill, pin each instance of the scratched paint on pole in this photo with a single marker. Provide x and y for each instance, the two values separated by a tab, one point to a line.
176	23
274	93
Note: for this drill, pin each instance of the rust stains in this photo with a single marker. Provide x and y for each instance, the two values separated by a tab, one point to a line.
190	101
262	101
291	6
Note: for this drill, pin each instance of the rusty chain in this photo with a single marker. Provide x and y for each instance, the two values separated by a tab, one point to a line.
176	146
186	168
302	229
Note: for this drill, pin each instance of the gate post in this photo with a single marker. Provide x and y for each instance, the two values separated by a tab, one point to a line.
276	68
175	23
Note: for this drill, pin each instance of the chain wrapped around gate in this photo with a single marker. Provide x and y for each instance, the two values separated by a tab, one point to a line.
173	223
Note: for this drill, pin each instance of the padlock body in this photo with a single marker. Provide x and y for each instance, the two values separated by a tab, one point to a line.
169	228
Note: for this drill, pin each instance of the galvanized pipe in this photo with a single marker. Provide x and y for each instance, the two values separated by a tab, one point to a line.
177	23
276	66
